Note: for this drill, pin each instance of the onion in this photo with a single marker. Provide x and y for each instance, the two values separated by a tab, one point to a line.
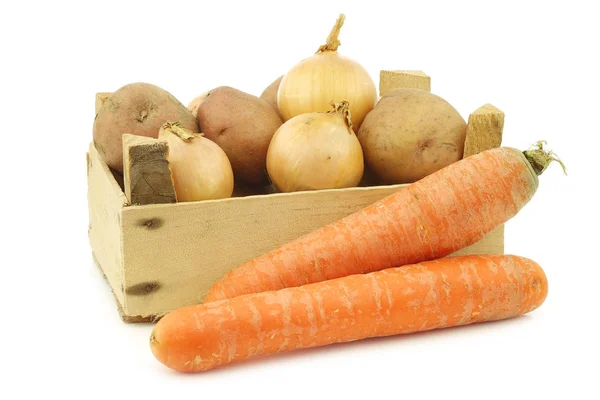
200	168
326	77
316	151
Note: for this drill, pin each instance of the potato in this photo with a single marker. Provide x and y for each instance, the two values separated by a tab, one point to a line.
410	134
243	126
138	109
270	94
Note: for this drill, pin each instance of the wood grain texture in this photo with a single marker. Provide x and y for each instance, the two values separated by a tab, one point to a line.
146	174
105	203
389	80
124	317
484	130
101	97
174	253
493	243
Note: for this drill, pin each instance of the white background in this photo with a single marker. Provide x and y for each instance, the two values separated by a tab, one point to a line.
60	332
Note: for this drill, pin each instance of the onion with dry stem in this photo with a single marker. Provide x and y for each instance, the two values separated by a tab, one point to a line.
200	168
316	151
326	77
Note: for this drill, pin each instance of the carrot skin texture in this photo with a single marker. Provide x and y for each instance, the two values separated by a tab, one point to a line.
432	218
435	294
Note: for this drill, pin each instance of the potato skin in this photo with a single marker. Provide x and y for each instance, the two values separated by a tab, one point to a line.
243	126
139	109
410	134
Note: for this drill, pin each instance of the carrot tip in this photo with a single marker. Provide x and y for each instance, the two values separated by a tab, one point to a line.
153	340
540	159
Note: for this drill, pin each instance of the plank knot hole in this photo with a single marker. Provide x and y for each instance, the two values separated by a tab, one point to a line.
151	223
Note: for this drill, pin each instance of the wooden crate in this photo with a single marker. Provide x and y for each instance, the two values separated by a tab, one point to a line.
160	257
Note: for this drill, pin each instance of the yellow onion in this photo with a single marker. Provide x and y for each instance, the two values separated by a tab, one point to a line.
316	151
326	77
199	167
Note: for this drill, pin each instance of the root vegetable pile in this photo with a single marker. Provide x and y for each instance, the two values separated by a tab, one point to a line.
386	269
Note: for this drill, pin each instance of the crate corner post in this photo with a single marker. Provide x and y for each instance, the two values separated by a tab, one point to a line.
106	202
484	132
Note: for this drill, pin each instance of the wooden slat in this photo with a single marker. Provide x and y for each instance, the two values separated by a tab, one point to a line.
105	203
146	173
389	80
101	97
484	130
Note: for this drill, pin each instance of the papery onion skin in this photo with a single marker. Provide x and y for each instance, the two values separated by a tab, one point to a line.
315	151
199	167
270	94
327	77
313	84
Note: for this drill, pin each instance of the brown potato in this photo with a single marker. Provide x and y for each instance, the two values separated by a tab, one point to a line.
243	126
270	94
138	109
410	134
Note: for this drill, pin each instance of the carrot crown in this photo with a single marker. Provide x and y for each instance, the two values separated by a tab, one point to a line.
540	159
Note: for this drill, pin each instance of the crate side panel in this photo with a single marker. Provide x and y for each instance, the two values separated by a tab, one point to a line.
105	204
493	243
174	253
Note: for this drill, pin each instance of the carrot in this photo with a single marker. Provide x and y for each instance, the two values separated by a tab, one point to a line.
432	218
435	294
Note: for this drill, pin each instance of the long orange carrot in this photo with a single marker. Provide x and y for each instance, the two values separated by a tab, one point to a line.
434	294
432	218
